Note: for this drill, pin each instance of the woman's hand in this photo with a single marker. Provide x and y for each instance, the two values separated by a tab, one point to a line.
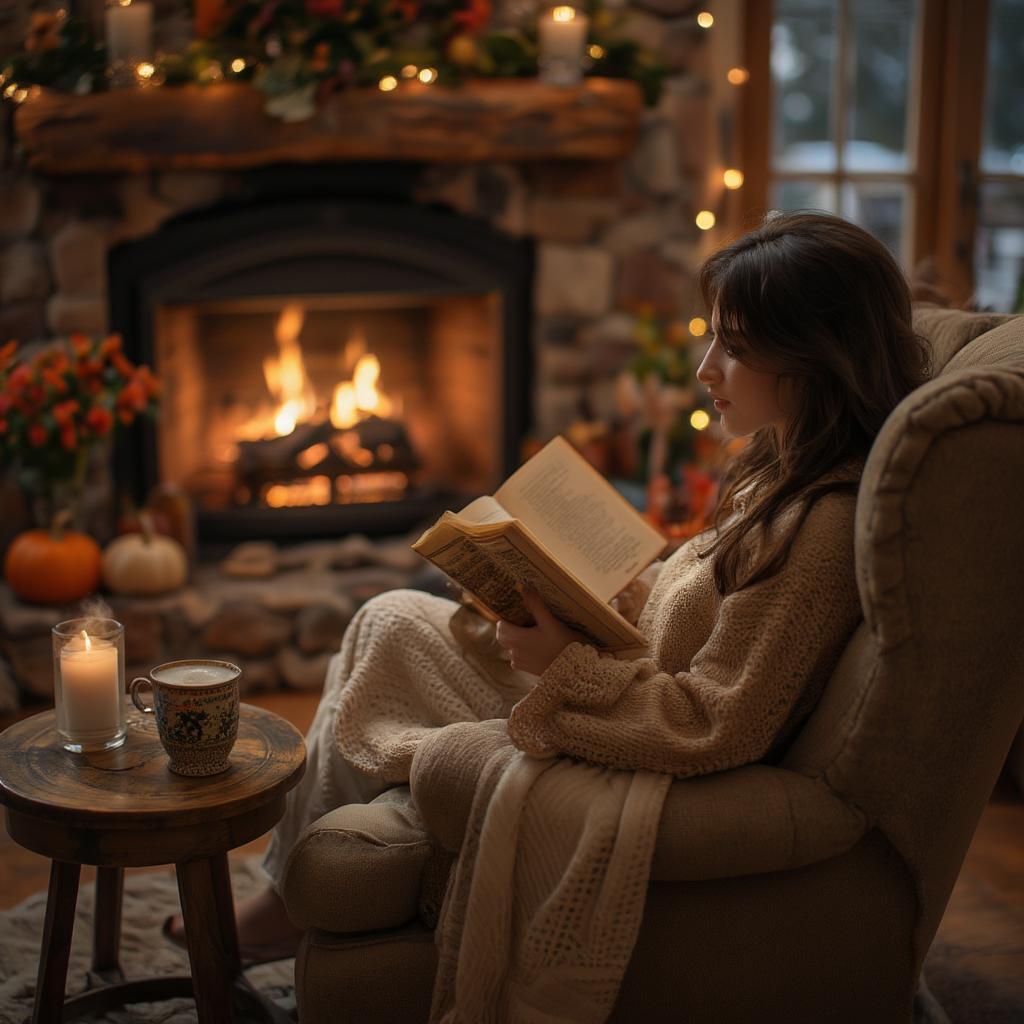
533	648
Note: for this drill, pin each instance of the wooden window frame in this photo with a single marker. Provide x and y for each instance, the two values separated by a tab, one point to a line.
945	109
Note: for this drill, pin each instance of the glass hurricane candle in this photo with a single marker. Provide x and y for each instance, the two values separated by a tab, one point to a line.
88	683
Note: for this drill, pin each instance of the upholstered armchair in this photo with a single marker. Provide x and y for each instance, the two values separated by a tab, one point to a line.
802	891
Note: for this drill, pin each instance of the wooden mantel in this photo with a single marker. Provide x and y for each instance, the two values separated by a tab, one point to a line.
224	126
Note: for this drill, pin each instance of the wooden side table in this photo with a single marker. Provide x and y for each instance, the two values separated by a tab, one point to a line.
124	808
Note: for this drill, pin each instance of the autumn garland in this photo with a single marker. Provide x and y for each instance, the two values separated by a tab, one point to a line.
297	52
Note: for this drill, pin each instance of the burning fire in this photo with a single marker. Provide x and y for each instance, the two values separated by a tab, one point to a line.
295	404
295	399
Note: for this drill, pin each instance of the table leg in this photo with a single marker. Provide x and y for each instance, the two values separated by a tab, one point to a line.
106	925
226	912
56	946
212	960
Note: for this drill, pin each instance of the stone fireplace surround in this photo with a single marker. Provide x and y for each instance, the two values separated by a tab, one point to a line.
607	237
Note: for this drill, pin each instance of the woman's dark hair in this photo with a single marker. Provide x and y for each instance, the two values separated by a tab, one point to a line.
822	303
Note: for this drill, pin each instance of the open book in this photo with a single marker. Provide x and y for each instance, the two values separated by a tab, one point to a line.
557	524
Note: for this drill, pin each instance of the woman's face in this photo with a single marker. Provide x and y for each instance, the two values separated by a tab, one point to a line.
747	399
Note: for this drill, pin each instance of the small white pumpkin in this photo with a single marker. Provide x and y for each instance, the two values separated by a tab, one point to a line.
146	563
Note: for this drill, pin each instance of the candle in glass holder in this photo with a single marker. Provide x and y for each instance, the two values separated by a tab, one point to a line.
129	26
89	684
562	33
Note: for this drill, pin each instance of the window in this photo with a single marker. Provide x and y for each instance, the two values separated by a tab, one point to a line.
907	117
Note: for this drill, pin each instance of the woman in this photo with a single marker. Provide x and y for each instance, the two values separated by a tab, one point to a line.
812	348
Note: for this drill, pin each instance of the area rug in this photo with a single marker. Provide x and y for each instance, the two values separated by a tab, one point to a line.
148	898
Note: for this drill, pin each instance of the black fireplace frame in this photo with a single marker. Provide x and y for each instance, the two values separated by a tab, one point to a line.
351	232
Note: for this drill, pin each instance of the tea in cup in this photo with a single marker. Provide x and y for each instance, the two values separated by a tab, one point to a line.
195	703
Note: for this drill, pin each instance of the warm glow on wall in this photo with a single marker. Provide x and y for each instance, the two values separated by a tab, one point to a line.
705	19
705	220
732	178
698	326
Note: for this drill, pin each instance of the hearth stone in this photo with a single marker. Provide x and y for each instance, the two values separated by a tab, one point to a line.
282	630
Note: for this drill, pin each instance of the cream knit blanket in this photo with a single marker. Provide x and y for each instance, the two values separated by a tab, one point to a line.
540	919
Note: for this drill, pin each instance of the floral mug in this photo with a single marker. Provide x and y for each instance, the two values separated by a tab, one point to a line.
195	703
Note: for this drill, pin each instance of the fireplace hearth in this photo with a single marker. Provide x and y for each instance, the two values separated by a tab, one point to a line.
329	364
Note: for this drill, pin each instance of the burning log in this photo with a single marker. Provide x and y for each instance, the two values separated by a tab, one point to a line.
372	445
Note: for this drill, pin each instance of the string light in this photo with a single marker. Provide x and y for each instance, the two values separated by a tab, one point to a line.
10	91
427	75
410	71
699	419
595	51
705	220
238	65
387	83
20	95
564	14
698	326
732	178
145	70
738	76
705	19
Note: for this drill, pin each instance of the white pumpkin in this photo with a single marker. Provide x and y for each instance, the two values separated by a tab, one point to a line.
146	563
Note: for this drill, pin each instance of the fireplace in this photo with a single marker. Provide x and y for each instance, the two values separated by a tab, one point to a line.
330	364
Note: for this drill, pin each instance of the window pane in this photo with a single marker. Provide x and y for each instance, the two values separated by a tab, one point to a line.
1003	146
803	62
999	247
881	36
878	207
804	195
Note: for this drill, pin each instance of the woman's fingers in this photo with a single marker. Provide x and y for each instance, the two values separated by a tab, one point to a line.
507	634
535	606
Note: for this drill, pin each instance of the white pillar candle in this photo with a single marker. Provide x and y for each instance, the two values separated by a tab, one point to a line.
129	31
90	686
562	33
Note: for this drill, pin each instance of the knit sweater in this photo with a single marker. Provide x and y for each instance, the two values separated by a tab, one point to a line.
727	681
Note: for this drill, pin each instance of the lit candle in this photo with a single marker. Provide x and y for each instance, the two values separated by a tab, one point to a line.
563	35
129	31
90	686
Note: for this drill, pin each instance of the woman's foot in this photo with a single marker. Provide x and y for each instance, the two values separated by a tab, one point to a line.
265	932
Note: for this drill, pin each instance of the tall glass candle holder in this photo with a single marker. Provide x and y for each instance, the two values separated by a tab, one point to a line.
562	35
88	683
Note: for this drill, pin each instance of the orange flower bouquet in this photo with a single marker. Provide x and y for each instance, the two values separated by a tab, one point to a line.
60	403
55	408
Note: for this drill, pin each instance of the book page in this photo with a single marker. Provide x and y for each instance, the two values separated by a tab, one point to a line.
580	518
484	510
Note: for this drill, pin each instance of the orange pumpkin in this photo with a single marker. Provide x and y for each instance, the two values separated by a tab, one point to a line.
52	566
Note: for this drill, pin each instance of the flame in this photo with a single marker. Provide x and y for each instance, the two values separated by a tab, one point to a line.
88	642
360	395
286	374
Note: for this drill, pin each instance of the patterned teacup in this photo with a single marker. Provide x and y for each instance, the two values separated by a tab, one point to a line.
196	707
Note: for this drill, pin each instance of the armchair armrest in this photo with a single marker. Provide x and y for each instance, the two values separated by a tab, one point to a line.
747	820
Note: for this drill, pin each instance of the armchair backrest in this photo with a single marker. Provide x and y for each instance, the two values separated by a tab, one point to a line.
922	708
